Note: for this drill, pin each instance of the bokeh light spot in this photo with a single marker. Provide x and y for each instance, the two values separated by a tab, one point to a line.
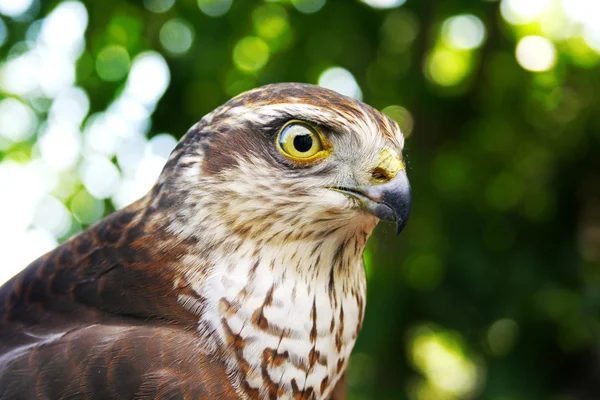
20	75
23	186
522	12
148	78
23	248
341	80
214	8
159	6
14	8
46	63
162	145
536	53
384	3
148	166
308	6
17	121
271	24
112	63
177	36
403	118
60	144
585	11
250	54
440	355
131	152
100	177
446	68
101	134
52	216
72	105
62	31
464	32
57	74
502	336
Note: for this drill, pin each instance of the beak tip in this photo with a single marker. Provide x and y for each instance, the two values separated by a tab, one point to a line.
398	198
400	224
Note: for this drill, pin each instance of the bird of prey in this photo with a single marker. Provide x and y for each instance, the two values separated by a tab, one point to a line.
238	276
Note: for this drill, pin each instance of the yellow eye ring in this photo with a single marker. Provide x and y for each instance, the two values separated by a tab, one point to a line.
300	142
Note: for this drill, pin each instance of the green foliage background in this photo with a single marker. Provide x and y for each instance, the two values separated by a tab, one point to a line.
492	291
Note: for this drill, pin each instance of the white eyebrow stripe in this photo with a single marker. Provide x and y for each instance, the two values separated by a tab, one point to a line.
358	121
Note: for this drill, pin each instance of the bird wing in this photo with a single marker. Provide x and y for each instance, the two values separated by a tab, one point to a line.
114	362
99	318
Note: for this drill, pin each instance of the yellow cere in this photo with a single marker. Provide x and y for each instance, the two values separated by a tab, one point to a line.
302	142
389	163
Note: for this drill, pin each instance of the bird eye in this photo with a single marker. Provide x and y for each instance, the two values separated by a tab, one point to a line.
299	141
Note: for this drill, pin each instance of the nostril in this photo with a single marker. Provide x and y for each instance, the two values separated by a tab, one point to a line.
380	175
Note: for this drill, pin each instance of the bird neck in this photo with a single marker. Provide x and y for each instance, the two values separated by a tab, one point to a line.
287	315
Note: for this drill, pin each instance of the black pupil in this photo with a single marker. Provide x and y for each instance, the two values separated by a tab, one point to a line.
303	143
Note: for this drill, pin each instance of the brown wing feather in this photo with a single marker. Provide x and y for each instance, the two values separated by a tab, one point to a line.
117	266
115	362
98	318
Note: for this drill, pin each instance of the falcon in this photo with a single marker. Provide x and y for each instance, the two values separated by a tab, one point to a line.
238	276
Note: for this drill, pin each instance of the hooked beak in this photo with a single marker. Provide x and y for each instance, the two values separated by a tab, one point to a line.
389	201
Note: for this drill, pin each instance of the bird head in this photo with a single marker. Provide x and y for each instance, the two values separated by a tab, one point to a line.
289	161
